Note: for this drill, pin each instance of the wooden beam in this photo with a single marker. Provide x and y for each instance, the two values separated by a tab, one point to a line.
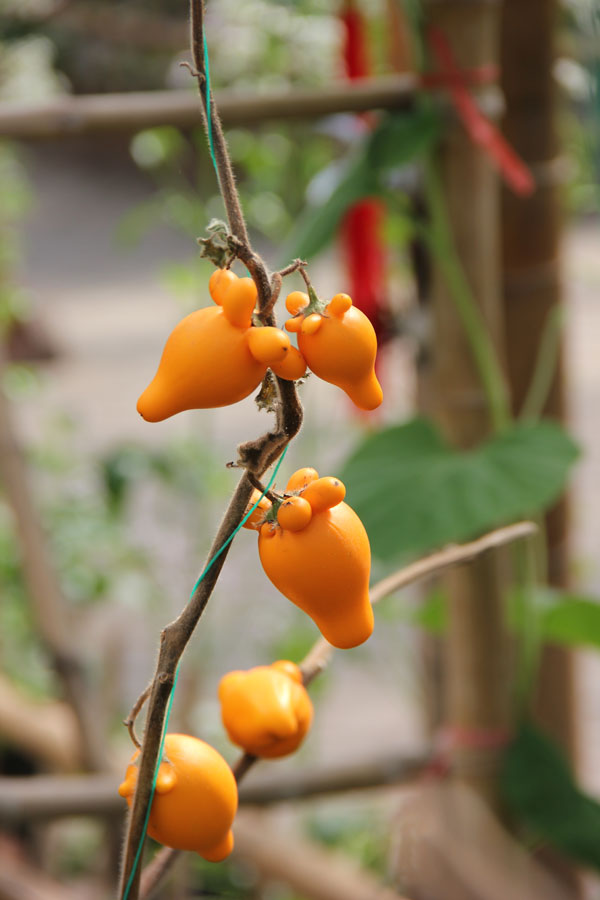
70	115
54	796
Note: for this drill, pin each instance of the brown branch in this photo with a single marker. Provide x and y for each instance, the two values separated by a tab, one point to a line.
257	456
39	798
321	653
311	870
49	607
428	567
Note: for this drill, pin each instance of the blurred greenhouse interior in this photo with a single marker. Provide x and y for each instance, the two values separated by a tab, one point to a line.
454	754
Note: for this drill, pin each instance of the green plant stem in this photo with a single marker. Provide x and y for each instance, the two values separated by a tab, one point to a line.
545	366
525	560
438	237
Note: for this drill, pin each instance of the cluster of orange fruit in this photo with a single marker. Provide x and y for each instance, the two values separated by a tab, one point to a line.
312	545
216	356
267	712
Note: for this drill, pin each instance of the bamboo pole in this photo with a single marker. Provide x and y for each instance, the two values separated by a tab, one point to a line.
87	114
476	683
531	284
69	115
532	292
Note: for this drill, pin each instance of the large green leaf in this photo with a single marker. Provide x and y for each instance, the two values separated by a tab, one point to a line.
571	620
397	140
540	791
414	492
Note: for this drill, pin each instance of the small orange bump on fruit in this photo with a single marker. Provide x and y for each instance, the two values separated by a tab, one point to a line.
311	324
294	514
257	517
195	801
296	301
292	367
339	304
266	710
301	478
239	301
290	668
219	283
323	493
268	344
294	325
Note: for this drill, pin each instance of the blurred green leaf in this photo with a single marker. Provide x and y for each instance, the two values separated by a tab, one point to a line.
572	620
402	137
396	141
317	227
157	146
541	792
414	492
559	616
431	614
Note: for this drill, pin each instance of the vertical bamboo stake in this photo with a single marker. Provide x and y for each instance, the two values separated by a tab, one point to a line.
531	282
532	292
476	689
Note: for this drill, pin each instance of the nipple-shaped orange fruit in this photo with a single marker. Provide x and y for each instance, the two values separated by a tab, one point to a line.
215	356
317	554
266	710
195	799
338	344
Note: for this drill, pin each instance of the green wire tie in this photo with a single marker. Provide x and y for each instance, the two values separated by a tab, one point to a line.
172	694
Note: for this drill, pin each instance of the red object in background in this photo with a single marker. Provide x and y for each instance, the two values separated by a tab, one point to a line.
482	132
360	231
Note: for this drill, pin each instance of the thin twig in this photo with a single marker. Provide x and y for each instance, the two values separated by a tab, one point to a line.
129	722
318	658
321	652
259	486
294	266
243	765
256	456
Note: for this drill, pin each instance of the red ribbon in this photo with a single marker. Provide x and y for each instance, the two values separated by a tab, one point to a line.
482	132
361	228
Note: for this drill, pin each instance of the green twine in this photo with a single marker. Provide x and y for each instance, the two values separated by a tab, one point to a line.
172	694
207	91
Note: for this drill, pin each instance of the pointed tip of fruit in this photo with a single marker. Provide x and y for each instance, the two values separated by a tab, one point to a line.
353	629
366	394
221	850
147	407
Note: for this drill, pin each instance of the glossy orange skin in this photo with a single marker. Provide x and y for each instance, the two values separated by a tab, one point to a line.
266	710
324	569
342	350
215	356
195	800
206	363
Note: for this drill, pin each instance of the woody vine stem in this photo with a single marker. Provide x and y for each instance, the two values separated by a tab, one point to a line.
255	456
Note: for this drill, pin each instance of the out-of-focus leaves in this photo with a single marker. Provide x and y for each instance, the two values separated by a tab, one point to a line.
414	492
572	620
541	792
316	227
397	140
156	147
558	616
